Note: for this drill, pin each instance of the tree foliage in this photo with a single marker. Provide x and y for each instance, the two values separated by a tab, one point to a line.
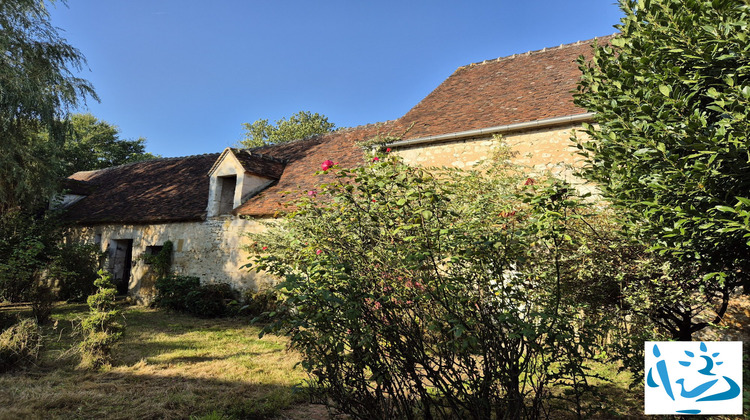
299	126
95	144
413	294
28	245
670	146
37	88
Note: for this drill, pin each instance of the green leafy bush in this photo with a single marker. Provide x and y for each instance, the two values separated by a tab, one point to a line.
445	294
670	95
32	253
172	290
27	245
101	328
209	300
75	269
20	345
259	303
186	294
42	301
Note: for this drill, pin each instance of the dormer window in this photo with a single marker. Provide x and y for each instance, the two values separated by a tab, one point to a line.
238	175
227	186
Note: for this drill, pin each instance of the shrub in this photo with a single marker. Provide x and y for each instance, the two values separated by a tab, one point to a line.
668	150
75	269
27	244
259	303
20	345
186	294
172	290
208	301
415	294
100	329
42	302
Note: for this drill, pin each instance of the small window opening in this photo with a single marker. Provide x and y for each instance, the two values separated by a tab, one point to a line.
153	250
226	195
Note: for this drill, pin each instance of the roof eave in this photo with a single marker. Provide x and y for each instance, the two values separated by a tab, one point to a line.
499	129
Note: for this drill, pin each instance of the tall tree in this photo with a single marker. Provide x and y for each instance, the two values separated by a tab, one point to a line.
96	144
38	87
671	95
299	126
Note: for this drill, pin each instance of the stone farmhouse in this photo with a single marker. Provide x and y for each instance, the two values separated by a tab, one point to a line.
204	204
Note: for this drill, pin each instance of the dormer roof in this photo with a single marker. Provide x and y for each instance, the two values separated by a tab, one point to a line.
254	163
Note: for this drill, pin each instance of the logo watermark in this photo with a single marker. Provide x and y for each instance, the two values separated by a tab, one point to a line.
693	377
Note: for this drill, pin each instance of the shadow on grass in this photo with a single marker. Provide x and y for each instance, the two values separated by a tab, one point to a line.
166	366
155	395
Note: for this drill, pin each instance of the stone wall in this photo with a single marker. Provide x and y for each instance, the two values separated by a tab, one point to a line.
211	250
539	151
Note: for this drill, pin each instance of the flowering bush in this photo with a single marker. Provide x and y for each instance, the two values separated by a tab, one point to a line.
445	294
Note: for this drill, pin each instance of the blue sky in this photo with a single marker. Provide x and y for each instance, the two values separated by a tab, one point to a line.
186	74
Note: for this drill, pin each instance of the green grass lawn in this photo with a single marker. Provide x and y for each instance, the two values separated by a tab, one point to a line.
174	366
166	366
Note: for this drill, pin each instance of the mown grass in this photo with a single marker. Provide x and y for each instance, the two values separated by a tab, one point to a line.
166	366
175	366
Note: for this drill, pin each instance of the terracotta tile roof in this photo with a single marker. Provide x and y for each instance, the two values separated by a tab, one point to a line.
152	191
527	87
259	164
303	158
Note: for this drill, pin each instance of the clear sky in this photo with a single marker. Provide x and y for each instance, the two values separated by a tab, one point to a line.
185	74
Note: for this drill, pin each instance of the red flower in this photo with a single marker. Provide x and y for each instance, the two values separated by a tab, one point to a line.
312	193
327	165
318	252
375	159
264	248
388	150
529	181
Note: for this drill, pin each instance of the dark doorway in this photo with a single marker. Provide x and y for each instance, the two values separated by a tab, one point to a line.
122	261
226	195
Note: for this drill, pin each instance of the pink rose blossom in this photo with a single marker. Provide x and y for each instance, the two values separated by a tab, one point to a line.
375	159
327	165
312	193
318	252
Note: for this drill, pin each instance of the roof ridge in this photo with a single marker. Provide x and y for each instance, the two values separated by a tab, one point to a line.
142	161
534	52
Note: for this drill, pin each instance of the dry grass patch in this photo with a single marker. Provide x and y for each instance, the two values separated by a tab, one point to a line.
167	366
